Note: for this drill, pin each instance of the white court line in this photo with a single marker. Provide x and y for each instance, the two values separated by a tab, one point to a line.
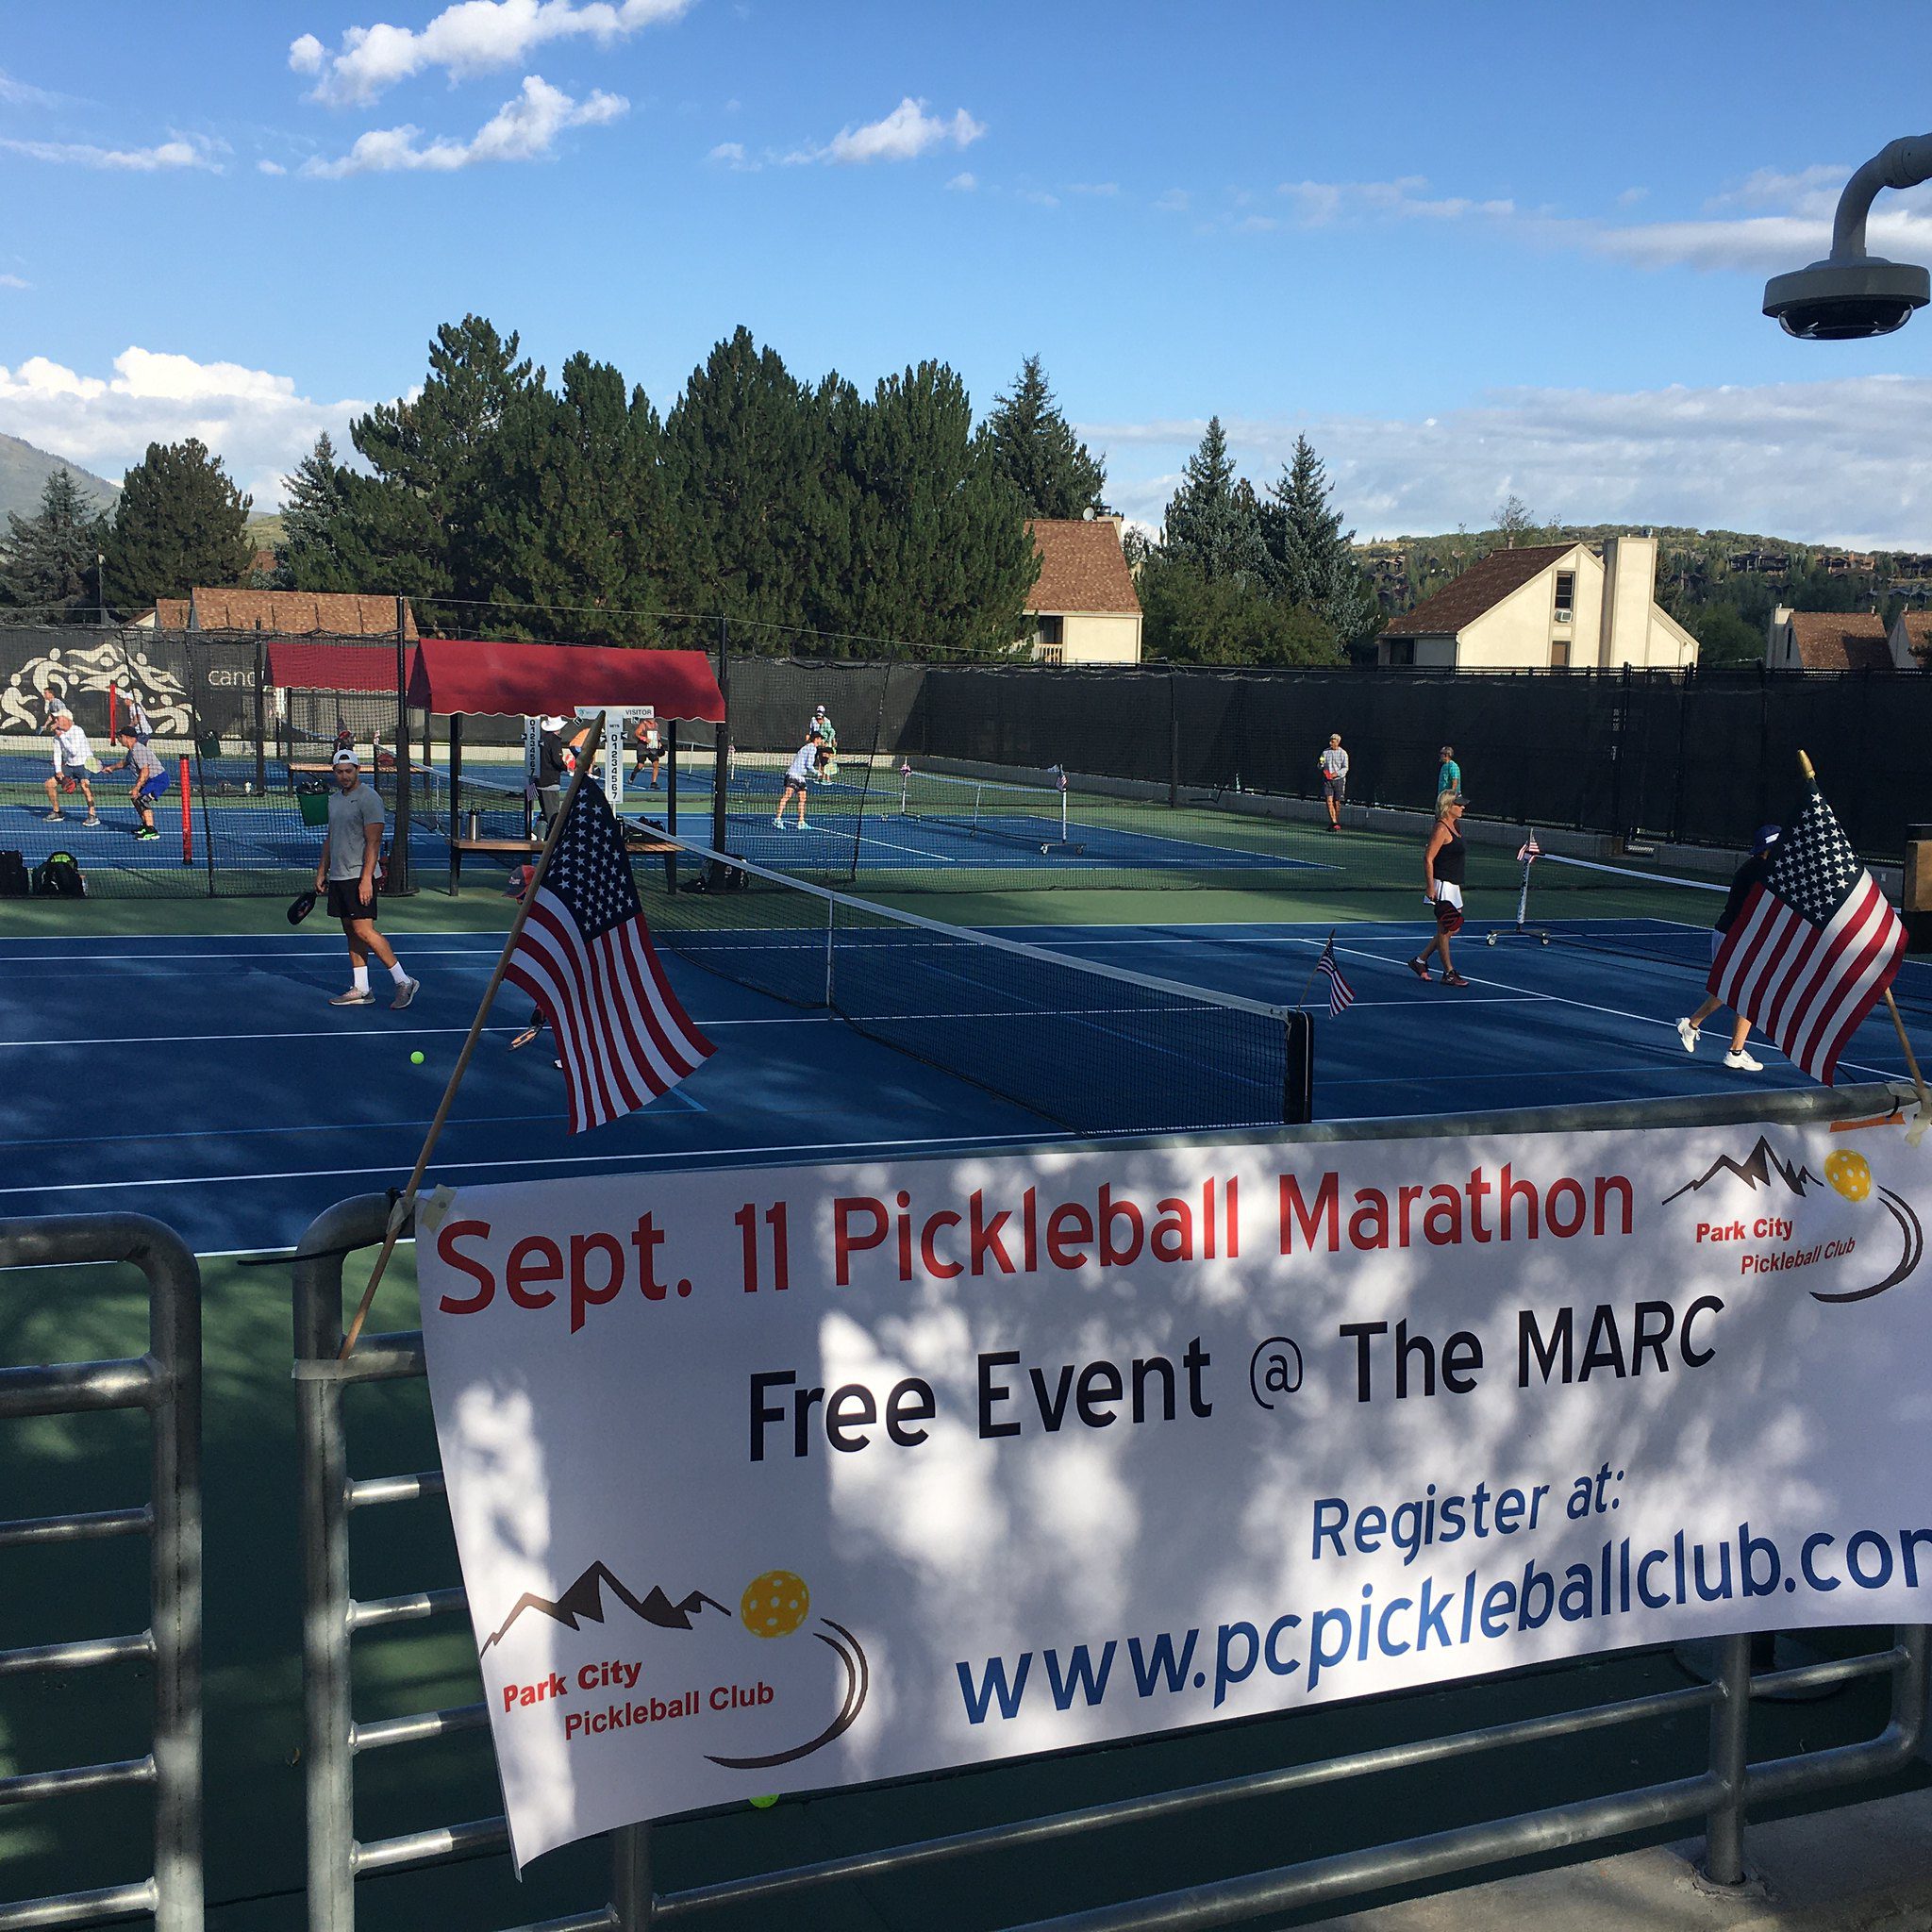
400	1035
856	1149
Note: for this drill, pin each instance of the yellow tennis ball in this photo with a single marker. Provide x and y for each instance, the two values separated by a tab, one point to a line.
416	1059
1850	1173
766	1803
775	1603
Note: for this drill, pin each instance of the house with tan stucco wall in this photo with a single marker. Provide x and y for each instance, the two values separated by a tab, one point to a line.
1546	606
1084	609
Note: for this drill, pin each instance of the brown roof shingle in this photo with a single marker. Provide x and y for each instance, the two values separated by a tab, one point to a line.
1840	640
290	613
1918	636
1481	588
1081	568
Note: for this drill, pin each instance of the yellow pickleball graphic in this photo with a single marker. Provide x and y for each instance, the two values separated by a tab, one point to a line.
1850	1173
775	1603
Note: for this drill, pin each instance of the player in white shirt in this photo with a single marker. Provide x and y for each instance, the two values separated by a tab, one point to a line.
807	764
1334	764
70	755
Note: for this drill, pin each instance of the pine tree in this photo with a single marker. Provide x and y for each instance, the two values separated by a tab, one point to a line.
937	548
315	505
48	562
748	459
180	523
1310	557
1213	524
1035	449
575	525
1191	618
429	453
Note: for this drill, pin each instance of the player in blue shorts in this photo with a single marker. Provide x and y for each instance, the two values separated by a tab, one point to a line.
150	777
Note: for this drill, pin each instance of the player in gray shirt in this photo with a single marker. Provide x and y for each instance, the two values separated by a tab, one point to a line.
347	872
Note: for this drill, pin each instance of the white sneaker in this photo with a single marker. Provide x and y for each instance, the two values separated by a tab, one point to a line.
1742	1062
92	822
1688	1034
355	996
779	822
803	826
407	989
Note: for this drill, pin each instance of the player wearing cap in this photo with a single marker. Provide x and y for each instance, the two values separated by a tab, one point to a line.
1444	860
821	732
1334	764
347	870
70	755
807	763
1448	773
552	762
150	777
1748	874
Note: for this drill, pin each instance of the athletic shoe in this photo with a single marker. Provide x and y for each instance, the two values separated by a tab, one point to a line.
355	996
1742	1063
54	818
1688	1034
1421	969
779	822
147	832
92	822
405	994
803	826
1454	979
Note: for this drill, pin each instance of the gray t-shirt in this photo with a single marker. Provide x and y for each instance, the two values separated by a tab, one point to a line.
348	812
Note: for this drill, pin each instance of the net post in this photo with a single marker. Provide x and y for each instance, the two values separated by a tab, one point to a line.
671	770
720	758
1173	747
455	788
187	817
1298	1069
113	711
261	713
399	878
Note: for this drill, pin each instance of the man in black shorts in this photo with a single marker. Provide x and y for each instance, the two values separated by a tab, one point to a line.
347	872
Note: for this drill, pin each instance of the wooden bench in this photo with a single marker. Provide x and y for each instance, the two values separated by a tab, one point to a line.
641	842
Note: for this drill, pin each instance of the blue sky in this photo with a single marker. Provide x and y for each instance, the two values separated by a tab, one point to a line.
1470	249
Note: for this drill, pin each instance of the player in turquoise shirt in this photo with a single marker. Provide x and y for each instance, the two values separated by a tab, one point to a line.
1448	773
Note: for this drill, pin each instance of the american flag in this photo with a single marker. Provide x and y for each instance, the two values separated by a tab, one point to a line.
586	958
1813	947
1340	994
1530	850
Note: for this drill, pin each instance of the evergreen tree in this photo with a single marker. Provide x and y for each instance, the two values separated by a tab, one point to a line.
430	453
1213	523
313	523
48	560
1035	449
1310	557
937	551
179	523
574	523
748	459
1193	618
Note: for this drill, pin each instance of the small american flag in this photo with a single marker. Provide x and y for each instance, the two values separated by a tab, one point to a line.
1813	947
1528	850
584	958
1340	994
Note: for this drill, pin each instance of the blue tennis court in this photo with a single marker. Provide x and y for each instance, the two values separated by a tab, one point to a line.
208	1082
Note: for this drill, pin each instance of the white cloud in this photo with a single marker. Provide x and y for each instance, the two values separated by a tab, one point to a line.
1819	462
140	160
13	282
1317	203
731	154
523	129
1631	197
1174	202
1100	188
470	38
19	93
1038	196
270	168
963	183
254	421
904	135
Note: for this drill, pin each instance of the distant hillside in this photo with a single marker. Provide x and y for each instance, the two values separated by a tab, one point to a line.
24	473
265	528
1696	568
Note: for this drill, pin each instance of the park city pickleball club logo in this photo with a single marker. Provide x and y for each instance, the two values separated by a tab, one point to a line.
773	1607
1766	1211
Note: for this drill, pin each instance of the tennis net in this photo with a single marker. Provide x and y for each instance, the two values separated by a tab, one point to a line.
1097	1049
1667	918
989	808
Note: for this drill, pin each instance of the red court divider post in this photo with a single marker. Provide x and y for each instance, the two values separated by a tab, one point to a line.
186	820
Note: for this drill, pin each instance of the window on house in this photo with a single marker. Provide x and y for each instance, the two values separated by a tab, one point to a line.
1048	631
1566	594
1402	650
1559	653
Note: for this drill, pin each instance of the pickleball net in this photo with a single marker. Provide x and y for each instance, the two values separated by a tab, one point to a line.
1094	1048
1599	906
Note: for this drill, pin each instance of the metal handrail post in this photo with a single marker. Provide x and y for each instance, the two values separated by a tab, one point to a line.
630	1878
169	1392
328	1716
1730	1742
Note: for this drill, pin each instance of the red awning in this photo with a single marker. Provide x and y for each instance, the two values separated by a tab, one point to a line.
312	664
511	681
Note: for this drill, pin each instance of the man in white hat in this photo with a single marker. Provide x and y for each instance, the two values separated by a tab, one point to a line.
347	871
72	753
552	763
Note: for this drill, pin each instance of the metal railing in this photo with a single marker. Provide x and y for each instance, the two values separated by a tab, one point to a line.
166	1383
1720	1796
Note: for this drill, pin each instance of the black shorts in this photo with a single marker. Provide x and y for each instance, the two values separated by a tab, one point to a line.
345	900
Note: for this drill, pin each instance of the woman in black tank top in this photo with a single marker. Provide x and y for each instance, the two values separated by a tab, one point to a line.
1444	859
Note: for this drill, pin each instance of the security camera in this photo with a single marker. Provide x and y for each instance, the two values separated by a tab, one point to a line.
1847	301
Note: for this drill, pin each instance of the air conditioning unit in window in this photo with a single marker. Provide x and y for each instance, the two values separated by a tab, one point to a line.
1562	617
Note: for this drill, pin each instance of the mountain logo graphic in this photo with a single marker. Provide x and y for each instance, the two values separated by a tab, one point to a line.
1847	1174
583	1603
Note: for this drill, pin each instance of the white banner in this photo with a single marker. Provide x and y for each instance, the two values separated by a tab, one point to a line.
778	1478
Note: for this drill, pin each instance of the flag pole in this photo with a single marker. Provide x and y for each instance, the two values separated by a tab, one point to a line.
1301	1004
400	1212
1810	777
